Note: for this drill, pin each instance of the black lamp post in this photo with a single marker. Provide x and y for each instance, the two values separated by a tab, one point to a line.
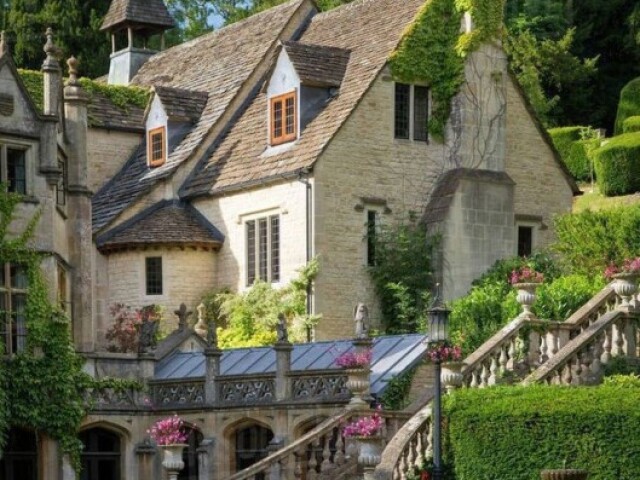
438	316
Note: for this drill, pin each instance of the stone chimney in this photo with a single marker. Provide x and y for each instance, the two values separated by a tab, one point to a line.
79	211
52	77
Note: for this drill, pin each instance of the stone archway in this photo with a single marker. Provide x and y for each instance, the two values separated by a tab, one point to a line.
250	441
101	455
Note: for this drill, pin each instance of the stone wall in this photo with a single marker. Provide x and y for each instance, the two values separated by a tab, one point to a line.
108	150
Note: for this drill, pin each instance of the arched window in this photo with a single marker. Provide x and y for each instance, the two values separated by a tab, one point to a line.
251	445
190	456
20	456
100	455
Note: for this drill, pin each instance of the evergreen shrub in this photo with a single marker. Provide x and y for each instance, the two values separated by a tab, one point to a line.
515	432
629	105
631	124
573	150
617	165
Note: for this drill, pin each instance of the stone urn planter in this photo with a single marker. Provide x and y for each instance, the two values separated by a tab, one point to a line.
564	474
625	286
369	450
172	460
358	385
526	296
451	376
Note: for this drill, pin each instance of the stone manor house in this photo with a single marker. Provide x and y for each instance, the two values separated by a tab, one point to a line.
264	144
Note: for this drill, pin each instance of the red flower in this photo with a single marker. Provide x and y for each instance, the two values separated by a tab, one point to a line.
425	475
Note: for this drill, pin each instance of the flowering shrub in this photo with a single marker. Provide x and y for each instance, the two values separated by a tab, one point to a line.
123	334
630	265
526	275
444	352
354	359
364	427
169	431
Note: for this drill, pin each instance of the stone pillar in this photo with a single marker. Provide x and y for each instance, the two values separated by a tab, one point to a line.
52	77
205	463
283	367
68	473
79	212
212	356
145	455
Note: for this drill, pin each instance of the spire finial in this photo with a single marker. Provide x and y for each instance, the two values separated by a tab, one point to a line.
73	70
4	46
52	51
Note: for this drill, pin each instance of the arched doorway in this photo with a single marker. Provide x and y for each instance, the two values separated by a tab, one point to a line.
190	456
100	455
20	456
251	442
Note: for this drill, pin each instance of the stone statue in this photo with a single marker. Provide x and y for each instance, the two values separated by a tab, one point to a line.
361	320
201	326
183	314
147	336
281	329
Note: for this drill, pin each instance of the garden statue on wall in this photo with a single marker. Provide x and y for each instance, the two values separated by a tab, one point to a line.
361	320
282	335
148	334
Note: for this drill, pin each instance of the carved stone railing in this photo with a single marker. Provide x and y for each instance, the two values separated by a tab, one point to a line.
317	386
604	301
109	398
246	390
187	393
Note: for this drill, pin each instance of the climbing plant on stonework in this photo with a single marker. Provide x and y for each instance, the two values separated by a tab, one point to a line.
433	50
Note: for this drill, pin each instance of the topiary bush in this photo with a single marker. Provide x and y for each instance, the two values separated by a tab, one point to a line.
515	432
579	160
629	105
617	165
564	137
631	124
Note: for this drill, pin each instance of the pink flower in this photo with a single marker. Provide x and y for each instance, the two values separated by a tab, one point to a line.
168	431
364	426
630	265
443	352
354	359
525	275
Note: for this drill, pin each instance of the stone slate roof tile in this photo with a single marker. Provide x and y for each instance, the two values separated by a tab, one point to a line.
141	12
370	30
182	105
318	65
165	223
103	113
218	63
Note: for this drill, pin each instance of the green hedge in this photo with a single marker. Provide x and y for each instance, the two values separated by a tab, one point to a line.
578	161
617	165
515	432
629	105
631	124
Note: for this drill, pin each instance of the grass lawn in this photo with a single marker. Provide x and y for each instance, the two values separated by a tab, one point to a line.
593	200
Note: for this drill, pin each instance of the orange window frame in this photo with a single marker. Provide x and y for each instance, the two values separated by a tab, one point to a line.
156	161
278	108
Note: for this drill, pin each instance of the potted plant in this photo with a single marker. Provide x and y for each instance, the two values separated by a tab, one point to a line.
356	365
626	278
526	280
169	433
449	356
367	431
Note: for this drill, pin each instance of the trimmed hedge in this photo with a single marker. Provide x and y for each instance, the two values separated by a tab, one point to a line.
629	105
515	432
631	124
617	165
573	151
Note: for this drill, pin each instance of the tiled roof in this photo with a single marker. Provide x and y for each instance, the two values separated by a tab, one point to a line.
371	30
165	223
391	356
141	12
218	63
102	113
182	105
318	65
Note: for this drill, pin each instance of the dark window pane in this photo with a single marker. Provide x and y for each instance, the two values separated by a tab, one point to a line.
525	241
19	323
157	146
420	113
61	187
275	248
402	110
190	457
16	171
251	252
277	119
290	112
371	237
263	250
19	277
154	275
251	446
100	455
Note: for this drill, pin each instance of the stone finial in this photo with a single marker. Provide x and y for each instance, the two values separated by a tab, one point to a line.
52	51
281	329
4	46
361	320
72	63
182	314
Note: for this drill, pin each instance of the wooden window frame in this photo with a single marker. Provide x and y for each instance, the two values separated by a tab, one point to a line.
7	290
263	249
155	131
284	137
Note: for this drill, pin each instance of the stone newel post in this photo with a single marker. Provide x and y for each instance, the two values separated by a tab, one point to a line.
283	350
213	356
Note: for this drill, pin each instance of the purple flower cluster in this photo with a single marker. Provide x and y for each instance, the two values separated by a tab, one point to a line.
444	352
630	265
363	427
168	431
526	275
354	359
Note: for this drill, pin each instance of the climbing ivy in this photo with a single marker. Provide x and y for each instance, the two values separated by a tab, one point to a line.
432	50
397	391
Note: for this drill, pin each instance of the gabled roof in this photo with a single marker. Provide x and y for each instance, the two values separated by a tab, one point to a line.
219	63
151	13
6	59
318	65
371	30
182	105
166	223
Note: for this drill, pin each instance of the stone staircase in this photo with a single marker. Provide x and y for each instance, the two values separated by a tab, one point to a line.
527	350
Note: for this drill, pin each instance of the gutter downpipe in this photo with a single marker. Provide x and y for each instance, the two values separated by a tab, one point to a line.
303	177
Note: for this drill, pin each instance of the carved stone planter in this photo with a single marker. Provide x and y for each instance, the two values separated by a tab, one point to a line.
172	460
450	375
526	296
358	385
625	286
369	451
564	474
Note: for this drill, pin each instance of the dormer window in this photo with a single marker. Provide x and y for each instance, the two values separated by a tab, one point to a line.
156	151
283	118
